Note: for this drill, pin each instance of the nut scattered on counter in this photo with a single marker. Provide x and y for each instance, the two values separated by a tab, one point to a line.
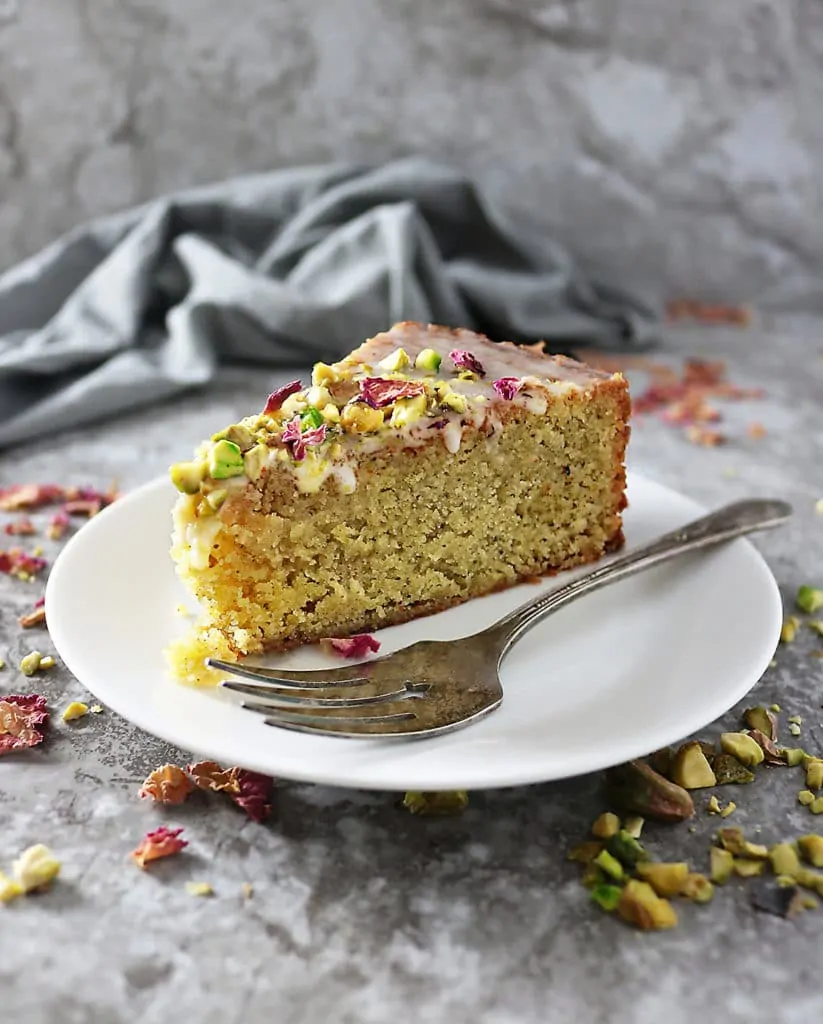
448	802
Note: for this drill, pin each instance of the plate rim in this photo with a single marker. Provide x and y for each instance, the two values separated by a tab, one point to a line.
166	729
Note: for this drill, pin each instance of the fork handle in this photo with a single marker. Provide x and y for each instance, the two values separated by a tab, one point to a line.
731	521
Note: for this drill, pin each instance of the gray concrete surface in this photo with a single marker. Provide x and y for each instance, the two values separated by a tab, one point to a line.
673	146
362	914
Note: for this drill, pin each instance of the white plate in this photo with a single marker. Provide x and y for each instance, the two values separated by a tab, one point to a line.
613	676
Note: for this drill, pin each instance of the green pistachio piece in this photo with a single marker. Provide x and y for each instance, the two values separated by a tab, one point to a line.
606	826
626	849
690	769
794	729
748	868
721	865
610	865
729	771
762	719
429	360
447	802
784	860
395	361
743	747
30	664
237	434
788	632
814	775
665	879
810	880
187	476
214	499
816	625
793	756
805	797
809	599
811	849
816	806
593	876
254	460
698	889
584	853
639	789
641	906
225	460
633	826
311	418
408	410
607	896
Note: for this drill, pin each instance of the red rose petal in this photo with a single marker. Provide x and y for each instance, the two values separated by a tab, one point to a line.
507	387
278	397
378	392
23	719
357	646
464	360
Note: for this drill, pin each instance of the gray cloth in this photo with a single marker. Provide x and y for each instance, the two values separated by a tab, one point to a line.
280	269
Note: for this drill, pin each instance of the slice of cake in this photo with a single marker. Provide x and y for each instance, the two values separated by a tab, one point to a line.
426	468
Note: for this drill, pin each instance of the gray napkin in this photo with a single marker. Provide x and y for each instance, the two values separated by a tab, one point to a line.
279	269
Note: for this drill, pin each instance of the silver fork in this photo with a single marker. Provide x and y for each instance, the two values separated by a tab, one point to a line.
435	686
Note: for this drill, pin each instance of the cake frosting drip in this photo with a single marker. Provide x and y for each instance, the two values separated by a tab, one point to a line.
401	389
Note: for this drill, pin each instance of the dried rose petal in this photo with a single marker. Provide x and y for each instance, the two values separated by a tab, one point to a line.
507	387
57	526
83	507
278	397
28	496
379	392
438	424
167	785
464	360
253	797
299	440
16	562
23	719
163	842
208	775
22	527
357	646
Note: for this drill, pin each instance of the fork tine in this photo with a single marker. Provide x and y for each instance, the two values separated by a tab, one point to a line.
327	724
292	701
348	676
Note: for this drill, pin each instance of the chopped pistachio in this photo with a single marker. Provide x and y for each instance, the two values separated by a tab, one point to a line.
733	840
748	868
254	460
225	460
690	769
331	414
633	826
809	599
743	747
408	410
722	865
730	808
436	803
395	361
2	664
77	709
47	662
214	499
811	849
641	906
714	805
784	859
584	853
429	360
762	719
318	397
788	632
665	879
698	889
814	775
795	719
31	663
637	787
729	771
816	625
816	807
293	405
610	865
593	876
793	756
626	849
810	880
187	476
607	896
311	418
322	374
359	418
96	709
818	506
9	888
606	825
449	398
199	889
794	729
810	902
237	434
805	797
35	868
774	707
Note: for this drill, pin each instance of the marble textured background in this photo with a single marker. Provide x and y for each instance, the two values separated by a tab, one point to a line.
674	146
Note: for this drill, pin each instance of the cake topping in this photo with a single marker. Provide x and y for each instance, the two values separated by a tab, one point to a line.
187	476
464	360
225	460
298	440
278	397
396	361
357	646
507	387
428	360
379	392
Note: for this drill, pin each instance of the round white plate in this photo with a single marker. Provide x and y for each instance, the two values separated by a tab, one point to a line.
613	676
